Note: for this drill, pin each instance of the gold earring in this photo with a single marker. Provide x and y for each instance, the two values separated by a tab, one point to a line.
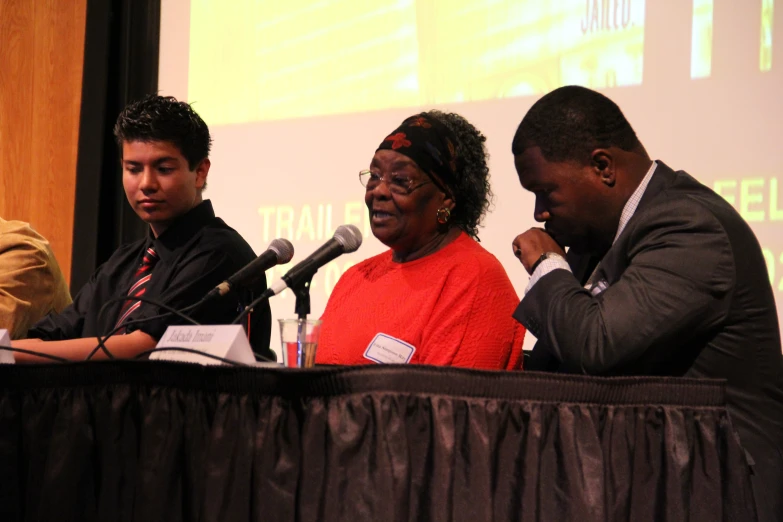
443	215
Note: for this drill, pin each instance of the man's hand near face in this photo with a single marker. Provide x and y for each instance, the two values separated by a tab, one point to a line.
529	246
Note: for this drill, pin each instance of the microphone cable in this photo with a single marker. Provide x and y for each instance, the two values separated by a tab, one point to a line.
102	339
170	310
249	308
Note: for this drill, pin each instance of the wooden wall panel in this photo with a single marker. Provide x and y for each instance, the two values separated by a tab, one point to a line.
41	57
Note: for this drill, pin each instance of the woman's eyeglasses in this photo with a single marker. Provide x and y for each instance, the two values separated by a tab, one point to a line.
398	183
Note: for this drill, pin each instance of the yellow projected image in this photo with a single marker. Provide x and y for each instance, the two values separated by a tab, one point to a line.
758	200
765	53
701	39
292	59
309	225
311	222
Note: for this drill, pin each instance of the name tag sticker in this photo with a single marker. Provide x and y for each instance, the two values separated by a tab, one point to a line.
385	349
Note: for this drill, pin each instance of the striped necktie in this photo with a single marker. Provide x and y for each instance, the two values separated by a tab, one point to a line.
141	280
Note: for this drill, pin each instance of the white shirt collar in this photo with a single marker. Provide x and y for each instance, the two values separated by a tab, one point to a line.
633	202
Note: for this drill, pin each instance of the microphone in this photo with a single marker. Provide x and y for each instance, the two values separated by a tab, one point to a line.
347	239
280	251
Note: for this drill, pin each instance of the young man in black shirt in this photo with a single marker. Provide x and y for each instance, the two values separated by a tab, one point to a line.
164	147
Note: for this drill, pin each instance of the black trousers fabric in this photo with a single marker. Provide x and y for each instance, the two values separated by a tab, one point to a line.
144	441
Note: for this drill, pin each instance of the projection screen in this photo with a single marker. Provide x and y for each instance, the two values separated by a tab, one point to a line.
299	94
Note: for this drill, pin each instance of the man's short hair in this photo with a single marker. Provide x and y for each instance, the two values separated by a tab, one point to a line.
163	118
569	123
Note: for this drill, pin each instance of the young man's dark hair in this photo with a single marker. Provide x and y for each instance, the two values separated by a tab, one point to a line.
163	118
570	122
164	147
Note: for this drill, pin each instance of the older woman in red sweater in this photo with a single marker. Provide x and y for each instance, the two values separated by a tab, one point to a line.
436	297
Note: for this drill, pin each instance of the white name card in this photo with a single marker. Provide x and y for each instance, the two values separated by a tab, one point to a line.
6	356
385	349
227	341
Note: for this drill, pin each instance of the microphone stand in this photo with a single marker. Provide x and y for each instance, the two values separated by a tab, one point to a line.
302	308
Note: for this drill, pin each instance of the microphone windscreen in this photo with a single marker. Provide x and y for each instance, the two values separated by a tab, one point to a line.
349	237
284	250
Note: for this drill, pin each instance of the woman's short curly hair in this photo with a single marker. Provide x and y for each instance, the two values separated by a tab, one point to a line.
471	189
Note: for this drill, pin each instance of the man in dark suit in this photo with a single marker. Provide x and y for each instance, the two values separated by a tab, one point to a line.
662	276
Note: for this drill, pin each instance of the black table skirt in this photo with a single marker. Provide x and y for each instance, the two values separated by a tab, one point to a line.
121	441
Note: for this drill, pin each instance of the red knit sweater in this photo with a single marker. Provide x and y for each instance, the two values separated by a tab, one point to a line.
453	306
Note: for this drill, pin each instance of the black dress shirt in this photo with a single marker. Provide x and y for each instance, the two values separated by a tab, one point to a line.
197	252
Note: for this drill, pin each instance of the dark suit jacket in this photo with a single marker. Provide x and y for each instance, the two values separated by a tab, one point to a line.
687	294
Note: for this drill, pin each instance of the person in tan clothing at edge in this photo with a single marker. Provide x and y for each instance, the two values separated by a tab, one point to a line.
31	283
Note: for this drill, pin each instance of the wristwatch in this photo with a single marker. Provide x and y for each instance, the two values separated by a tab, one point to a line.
544	256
